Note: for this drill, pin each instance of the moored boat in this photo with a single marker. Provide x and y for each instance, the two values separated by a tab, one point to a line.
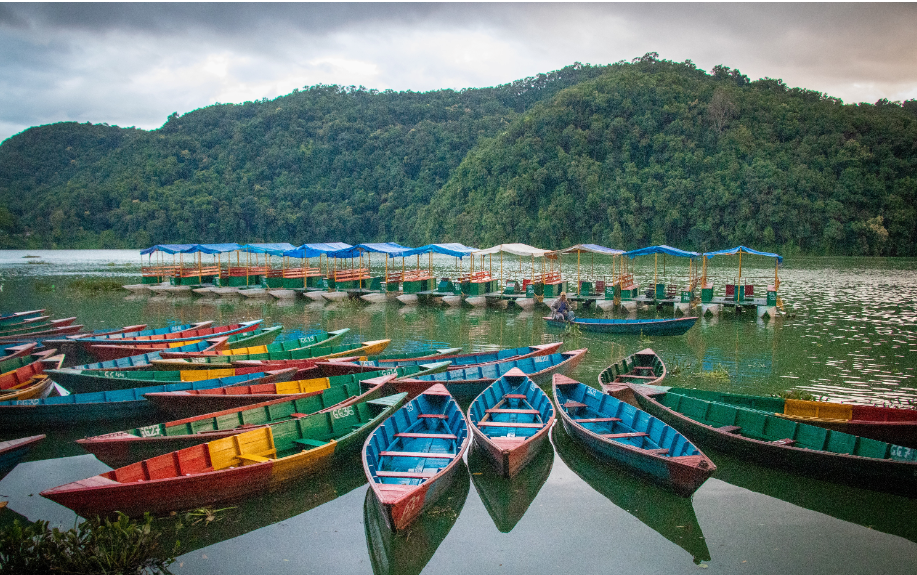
620	433
96	380
770	440
510	421
238	340
648	327
13	450
125	347
18	316
467	360
258	460
323	338
642	367
274	359
37	386
412	458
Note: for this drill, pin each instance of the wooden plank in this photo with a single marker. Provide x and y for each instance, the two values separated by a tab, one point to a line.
424	435
510	424
432	416
623	435
252	457
406	474
522	411
597	420
418	454
514	396
660	451
573	404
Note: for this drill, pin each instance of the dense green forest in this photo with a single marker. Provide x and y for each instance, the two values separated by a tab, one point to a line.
624	155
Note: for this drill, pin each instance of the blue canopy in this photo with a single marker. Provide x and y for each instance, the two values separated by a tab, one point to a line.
270	249
593	249
315	250
169	249
215	248
392	249
661	250
455	250
737	249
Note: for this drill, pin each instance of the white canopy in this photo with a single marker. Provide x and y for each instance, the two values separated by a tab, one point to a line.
516	250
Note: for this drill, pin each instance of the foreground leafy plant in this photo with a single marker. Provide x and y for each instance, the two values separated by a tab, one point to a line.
96	546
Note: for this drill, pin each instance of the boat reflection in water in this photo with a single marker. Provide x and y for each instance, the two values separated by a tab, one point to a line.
507	500
251	513
884	512
670	515
408	551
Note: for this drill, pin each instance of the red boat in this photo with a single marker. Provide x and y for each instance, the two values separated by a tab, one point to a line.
42	335
28	367
128	347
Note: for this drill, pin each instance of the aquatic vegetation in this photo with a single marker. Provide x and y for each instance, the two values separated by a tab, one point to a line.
796	394
718	373
95	285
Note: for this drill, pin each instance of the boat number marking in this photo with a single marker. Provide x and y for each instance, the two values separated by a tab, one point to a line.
409	407
388	372
114	374
534	386
366	363
592	391
27	402
341	413
198	360
149	431
411	506
903	454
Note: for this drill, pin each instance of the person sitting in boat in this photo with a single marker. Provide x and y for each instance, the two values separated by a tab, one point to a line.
560	309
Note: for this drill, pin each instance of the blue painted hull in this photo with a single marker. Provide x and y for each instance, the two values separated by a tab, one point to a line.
648	327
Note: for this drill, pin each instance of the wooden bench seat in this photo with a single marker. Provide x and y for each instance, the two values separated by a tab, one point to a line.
514	396
406	474
427	435
257	457
625	435
417	454
432	416
597	420
573	404
660	451
310	443
509	424
730	428
506	410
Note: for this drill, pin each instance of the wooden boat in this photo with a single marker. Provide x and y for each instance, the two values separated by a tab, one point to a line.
770	440
408	551
143	332
22	369
257	337
107	351
79	408
675	326
670	515
36	386
620	433
470	382
505	499
12	452
258	460
324	338
68	345
510	421
888	424
15	352
274	359
41	335
124	447
18	316
30	324
188	403
95	380
481	358
430	355
142	360
642	367
412	458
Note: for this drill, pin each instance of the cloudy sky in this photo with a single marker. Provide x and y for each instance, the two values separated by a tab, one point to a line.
134	64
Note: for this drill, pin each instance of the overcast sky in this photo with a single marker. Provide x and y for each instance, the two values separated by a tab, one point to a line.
134	64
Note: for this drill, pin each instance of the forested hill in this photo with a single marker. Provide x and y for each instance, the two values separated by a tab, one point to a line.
625	155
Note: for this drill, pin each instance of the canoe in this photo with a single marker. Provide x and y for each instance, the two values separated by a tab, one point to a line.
255	461
12	452
888	424
770	440
510	421
37	386
124	447
407	552
676	326
482	358
642	367
19	316
507	500
274	358
93	380
73	350
187	403
618	432
143	332
109	350
412	458
468	383
35	324
428	354
79	408
142	360
668	514
22	369
15	352
41	335
319	339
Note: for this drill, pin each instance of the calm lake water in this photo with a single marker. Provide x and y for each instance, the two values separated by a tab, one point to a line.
850	334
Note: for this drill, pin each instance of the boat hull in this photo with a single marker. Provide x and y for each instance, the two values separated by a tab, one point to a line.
648	327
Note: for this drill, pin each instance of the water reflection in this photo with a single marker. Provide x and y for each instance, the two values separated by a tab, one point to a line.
507	500
407	552
668	514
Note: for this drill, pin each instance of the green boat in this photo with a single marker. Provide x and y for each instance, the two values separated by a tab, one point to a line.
770	440
252	346
315	352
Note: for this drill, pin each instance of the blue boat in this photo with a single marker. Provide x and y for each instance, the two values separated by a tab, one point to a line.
510	421
78	408
411	459
143	360
620	433
474	359
12	452
675	326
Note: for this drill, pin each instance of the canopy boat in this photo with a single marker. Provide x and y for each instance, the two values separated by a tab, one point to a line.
421	283
407	552
888	424
648	327
412	458
770	440
642	367
359	280
510	421
124	447
477	359
312	279
259	460
12	452
109	350
670	515
592	286
96	380
194	402
665	290
322	338
277	358
483	286
505	499
620	433
469	382
77	408
740	291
